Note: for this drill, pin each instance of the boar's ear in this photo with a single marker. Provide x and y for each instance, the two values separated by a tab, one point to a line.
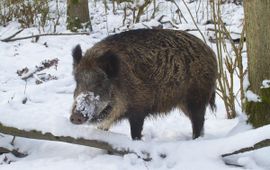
109	63
77	55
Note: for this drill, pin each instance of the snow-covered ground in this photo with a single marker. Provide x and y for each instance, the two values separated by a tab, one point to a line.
46	107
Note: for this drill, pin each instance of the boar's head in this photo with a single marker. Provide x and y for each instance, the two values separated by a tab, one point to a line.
93	99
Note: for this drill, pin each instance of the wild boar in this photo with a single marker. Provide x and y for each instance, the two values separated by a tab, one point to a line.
144	72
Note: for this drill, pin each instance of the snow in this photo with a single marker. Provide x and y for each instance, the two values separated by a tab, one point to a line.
252	96
48	108
86	103
266	84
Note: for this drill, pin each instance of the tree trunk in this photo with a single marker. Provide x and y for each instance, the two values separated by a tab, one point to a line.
257	14
78	15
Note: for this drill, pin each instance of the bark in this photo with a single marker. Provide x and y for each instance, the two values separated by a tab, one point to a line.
257	14
78	14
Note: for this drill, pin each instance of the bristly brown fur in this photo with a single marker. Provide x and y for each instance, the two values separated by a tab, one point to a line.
157	70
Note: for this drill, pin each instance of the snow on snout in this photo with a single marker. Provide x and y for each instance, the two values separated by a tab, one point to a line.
86	104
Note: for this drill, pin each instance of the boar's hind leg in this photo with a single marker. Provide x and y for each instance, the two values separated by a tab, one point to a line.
136	126
196	115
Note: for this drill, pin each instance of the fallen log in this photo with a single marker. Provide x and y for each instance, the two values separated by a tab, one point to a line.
99	144
256	146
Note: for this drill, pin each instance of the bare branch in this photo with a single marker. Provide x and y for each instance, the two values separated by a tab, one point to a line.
26	74
41	35
258	145
233	162
10	37
166	22
178	10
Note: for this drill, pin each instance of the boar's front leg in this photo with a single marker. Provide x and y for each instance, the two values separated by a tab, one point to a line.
136	125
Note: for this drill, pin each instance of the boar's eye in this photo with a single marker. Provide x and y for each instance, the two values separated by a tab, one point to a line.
90	80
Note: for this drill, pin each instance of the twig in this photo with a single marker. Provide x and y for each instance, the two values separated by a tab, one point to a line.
188	30
232	32
194	20
166	22
233	164
14	152
25	74
33	134
197	10
179	10
13	140
41	35
141	10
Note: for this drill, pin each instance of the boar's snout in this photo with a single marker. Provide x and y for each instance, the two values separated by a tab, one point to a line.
78	118
83	107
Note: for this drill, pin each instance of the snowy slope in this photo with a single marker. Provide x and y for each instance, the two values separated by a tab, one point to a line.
48	108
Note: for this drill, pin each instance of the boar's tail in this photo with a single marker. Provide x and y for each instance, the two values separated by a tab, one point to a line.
212	102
